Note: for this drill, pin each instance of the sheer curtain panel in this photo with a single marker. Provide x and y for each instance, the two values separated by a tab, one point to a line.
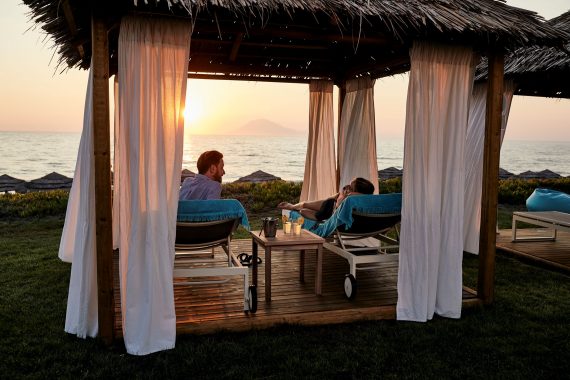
319	181
116	164
77	244
153	63
431	240
357	133
474	159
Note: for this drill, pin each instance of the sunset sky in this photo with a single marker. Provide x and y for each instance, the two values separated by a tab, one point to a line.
35	96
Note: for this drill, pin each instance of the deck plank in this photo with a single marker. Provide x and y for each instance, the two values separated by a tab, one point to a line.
209	308
548	254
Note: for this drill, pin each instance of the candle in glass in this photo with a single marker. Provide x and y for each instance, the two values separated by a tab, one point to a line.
297	229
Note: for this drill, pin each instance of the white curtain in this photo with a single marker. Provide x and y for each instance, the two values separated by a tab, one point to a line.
153	63
319	181
474	159
116	165
77	244
357	133
431	244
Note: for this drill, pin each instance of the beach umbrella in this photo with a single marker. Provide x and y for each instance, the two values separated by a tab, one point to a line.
259	176
52	181
505	174
548	174
8	183
186	174
390	172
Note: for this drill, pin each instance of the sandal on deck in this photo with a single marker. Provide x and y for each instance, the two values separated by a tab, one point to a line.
246	259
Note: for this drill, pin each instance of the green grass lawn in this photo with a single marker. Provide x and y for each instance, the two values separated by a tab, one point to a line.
524	334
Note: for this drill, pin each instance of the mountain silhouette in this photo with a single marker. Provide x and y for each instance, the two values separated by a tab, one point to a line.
264	127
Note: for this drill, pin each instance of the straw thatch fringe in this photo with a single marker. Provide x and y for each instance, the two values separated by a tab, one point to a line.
483	19
534	59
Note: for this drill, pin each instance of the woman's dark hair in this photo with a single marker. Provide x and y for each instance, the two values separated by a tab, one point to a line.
362	186
207	159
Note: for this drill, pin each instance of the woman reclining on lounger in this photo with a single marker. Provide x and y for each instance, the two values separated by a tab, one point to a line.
323	209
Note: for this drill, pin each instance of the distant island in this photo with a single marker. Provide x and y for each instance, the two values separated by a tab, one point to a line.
264	127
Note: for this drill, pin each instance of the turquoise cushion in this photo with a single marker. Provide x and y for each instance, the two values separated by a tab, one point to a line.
370	204
211	210
548	200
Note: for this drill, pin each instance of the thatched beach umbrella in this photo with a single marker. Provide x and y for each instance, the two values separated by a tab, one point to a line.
544	174
505	174
186	174
390	172
258	176
52	181
8	183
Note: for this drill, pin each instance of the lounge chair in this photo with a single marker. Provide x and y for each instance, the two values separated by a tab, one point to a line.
361	217
204	225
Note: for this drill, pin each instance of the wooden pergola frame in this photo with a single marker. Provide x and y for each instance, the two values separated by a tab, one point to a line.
294	41
100	54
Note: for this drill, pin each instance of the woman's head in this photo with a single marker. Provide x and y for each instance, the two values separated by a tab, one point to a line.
362	186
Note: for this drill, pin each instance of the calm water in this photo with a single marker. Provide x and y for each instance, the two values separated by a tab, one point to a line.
30	155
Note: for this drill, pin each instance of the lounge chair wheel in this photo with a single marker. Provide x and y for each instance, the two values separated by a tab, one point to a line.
350	286
252	299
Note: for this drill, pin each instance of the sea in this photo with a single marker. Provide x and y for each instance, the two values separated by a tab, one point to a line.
31	155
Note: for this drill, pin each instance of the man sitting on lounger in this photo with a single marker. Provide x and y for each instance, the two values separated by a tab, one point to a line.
207	184
323	209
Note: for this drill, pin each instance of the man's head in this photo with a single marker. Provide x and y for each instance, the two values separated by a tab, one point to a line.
362	186
211	164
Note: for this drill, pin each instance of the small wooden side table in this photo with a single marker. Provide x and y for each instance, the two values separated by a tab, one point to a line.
288	242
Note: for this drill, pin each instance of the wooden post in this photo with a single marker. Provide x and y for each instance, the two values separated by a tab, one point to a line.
491	156
341	96
101	149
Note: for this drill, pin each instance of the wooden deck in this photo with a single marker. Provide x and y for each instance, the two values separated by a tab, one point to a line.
214	307
548	254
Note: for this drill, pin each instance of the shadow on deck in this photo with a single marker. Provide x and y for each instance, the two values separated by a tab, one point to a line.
202	309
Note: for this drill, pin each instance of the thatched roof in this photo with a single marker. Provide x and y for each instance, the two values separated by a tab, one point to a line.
544	174
8	183
51	181
390	172
258	176
540	71
505	174
393	172
186	174
296	40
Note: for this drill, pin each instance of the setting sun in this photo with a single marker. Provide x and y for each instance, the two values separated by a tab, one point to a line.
193	110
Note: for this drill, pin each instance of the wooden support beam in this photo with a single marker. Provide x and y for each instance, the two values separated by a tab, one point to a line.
381	65
341	96
68	13
259	44
235	47
260	60
250	78
101	149
201	65
489	199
